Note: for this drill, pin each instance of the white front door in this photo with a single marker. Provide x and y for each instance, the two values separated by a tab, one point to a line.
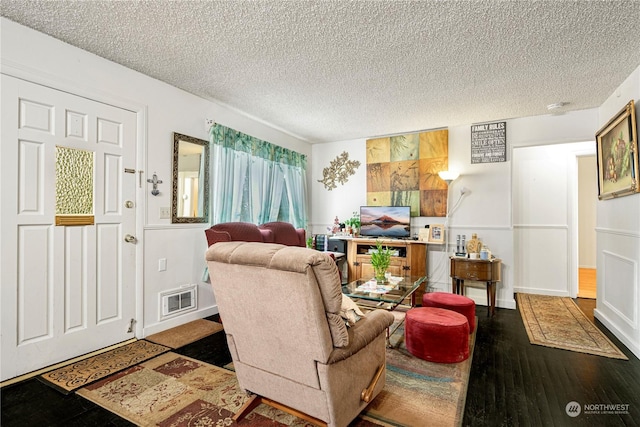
66	289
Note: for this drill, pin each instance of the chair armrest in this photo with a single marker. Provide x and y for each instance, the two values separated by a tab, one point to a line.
302	237
362	333
215	236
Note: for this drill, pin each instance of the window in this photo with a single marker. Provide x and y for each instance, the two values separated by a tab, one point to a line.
74	186
256	181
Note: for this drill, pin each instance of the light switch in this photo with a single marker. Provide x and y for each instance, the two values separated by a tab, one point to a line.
162	264
165	213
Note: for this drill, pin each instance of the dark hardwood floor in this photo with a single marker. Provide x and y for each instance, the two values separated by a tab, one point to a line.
515	383
512	383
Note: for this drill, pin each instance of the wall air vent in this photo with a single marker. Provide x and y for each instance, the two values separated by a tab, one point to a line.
178	301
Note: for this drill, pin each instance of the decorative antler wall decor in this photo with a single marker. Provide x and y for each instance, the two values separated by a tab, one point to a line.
338	170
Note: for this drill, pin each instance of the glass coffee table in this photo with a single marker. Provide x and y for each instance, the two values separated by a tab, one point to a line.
369	295
388	296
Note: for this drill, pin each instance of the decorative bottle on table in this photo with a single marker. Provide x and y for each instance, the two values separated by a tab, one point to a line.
473	246
460	246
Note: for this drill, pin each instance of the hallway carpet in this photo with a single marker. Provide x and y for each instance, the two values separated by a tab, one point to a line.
558	322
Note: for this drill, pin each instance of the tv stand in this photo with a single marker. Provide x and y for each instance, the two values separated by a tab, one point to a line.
410	259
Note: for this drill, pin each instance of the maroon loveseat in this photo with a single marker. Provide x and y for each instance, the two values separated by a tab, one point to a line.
270	232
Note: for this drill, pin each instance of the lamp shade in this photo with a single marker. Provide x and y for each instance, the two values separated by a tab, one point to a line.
448	176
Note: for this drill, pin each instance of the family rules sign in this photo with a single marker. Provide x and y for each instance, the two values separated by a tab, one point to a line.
489	142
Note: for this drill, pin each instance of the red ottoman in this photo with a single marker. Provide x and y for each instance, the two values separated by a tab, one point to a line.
455	302
437	335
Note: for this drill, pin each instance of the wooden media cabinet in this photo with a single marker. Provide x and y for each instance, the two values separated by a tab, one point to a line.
410	259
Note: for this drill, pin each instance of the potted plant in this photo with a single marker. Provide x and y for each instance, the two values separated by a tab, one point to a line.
354	223
380	260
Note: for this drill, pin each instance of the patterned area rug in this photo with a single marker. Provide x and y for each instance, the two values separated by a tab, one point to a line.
418	392
175	390
558	322
185	334
76	375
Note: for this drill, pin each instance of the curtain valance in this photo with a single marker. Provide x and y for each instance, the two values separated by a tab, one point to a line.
238	141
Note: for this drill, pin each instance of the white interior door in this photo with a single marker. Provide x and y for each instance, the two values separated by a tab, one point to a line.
66	290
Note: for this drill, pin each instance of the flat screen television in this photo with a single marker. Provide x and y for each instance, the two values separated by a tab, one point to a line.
385	221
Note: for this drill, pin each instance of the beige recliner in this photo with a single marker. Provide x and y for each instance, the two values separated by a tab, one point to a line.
290	347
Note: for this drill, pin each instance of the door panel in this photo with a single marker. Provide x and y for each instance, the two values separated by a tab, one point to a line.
66	290
30	173
108	268
34	284
75	281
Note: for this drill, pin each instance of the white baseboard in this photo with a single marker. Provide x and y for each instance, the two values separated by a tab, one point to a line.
635	349
506	303
179	320
478	295
500	303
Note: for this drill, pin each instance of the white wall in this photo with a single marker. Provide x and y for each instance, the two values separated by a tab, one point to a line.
618	242
587	204
486	209
162	110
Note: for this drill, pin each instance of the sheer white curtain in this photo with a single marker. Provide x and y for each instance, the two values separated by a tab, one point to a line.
266	190
228	171
256	181
296	184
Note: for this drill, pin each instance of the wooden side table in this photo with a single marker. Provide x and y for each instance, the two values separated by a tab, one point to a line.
480	270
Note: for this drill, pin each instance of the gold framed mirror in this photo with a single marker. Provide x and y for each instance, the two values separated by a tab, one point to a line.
190	196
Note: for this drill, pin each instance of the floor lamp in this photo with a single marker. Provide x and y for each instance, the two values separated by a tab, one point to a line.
448	177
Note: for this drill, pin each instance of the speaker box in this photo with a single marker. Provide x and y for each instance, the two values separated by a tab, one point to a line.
337	245
326	243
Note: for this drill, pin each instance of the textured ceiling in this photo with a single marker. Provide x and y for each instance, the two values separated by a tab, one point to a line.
339	70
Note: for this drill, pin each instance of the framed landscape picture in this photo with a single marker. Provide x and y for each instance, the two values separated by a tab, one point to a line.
617	155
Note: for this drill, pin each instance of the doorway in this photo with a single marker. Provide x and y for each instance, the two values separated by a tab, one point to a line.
587	204
545	217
